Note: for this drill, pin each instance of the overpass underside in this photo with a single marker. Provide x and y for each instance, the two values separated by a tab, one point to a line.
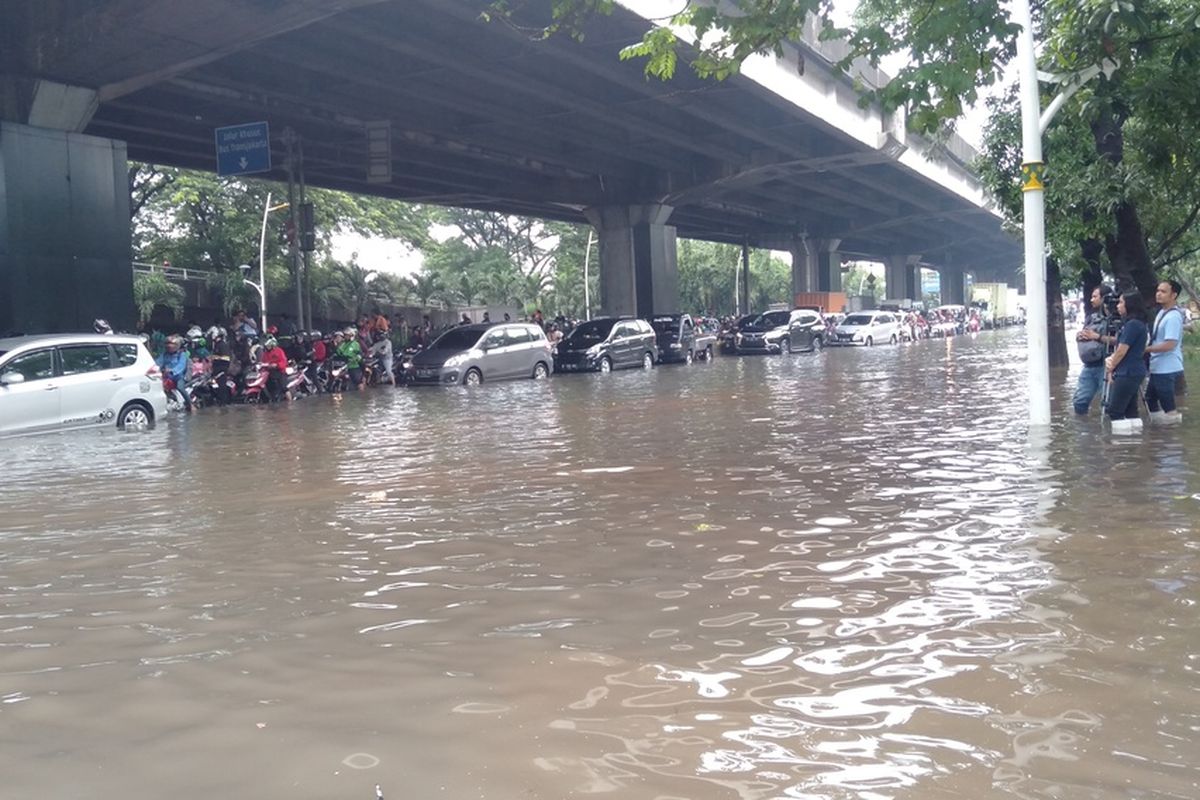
484	115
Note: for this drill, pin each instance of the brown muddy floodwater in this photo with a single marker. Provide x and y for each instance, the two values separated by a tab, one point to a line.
848	575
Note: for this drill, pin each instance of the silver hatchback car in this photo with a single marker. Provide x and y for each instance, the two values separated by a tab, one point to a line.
78	380
471	354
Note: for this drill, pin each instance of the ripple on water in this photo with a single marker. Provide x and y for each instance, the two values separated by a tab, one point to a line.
841	575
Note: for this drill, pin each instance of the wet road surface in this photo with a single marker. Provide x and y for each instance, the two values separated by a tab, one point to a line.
847	575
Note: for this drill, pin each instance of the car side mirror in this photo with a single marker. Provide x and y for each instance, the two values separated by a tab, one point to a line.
10	378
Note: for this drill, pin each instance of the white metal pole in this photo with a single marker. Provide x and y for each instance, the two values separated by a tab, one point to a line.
1035	230
587	294
262	279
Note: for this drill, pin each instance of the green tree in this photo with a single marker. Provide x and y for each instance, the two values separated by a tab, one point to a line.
198	220
151	290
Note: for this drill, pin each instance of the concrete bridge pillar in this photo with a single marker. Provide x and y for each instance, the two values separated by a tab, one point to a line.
953	286
639	273
902	276
64	230
804	267
828	264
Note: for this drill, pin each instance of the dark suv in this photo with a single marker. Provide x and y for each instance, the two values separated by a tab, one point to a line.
605	344
676	337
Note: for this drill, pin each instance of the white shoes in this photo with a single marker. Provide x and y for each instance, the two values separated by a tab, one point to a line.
1166	417
1126	427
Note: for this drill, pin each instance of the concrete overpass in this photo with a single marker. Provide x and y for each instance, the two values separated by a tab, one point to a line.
470	114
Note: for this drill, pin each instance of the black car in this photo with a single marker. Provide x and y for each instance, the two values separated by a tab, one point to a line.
607	343
768	333
806	331
676	337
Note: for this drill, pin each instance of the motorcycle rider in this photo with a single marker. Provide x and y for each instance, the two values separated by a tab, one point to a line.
351	352
382	351
174	365
274	359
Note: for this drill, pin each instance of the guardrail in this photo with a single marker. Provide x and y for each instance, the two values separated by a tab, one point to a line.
176	273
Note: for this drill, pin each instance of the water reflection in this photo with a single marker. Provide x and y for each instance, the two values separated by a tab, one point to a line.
848	575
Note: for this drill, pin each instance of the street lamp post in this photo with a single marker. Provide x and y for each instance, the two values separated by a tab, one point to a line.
261	286
1033	124
262	294
1034	219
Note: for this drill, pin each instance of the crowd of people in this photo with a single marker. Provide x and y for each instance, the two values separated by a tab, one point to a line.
223	363
1131	360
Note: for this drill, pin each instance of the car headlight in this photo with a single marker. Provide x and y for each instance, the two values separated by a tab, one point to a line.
593	351
675	345
456	360
773	336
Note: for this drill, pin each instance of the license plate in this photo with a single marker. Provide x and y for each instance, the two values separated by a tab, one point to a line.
426	373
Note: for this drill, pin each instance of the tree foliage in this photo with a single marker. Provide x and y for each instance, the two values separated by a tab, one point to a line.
151	290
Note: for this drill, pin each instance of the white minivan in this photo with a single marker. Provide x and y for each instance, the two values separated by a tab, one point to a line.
62	381
867	328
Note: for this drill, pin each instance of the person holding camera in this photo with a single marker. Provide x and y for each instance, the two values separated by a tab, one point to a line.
1093	343
1166	355
1126	367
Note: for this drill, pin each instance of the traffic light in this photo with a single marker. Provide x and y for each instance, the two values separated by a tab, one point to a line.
308	231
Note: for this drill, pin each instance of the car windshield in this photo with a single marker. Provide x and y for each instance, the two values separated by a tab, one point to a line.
857	319
746	320
665	324
595	331
458	339
772	319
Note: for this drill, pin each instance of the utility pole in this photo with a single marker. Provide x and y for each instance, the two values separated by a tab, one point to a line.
290	139
304	248
745	292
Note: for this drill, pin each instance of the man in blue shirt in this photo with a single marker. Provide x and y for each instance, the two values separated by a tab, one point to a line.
1166	356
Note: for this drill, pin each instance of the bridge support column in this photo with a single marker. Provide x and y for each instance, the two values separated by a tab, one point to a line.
64	231
639	273
804	267
829	264
901	274
953	286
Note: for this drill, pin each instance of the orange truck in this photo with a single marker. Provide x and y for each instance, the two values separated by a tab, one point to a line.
825	302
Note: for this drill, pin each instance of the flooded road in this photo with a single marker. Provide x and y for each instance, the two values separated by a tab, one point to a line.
846	575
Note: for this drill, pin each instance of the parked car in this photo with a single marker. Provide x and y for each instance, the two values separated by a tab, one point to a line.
806	331
867	328
768	333
77	381
607	343
676	337
472	354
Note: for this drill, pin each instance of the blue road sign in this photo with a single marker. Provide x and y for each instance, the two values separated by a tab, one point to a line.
242	149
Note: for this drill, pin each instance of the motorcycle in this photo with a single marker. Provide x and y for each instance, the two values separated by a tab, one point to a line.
176	401
254	389
336	376
299	383
216	390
